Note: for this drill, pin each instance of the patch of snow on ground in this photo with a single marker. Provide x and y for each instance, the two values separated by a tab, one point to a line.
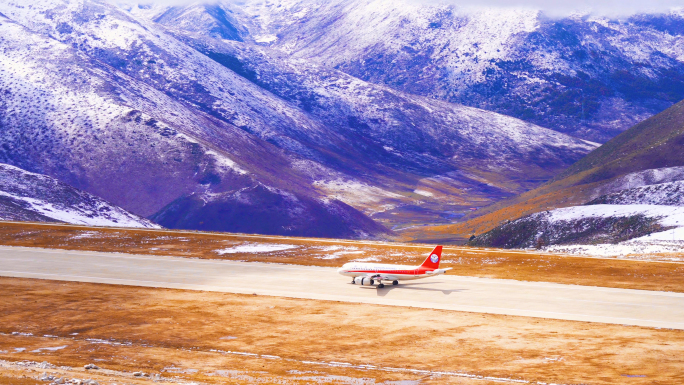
671	215
672	235
353	192
256	248
423	193
637	251
369	259
87	234
669	194
329	248
266	39
51	349
339	251
642	178
226	163
646	247
331	256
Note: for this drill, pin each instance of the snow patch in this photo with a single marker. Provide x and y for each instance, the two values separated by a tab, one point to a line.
423	193
50	349
642	178
354	193
256	248
76	216
638	250
265	39
369	259
670	215
224	162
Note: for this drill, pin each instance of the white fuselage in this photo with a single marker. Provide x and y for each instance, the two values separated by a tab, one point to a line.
387	272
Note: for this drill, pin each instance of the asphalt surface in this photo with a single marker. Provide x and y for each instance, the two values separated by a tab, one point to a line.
530	299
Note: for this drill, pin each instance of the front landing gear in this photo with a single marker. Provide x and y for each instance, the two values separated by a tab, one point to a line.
395	283
353	281
381	285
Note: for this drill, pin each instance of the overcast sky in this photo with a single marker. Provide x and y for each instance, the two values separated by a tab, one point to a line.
612	8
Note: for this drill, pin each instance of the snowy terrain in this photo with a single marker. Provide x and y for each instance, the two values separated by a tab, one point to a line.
225	135
631	226
670	194
634	249
589	76
662	245
640	179
250	248
26	196
667	216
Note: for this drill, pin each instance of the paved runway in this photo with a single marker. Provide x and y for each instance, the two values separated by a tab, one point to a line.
532	299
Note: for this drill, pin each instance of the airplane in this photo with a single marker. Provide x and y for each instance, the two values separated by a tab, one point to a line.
366	274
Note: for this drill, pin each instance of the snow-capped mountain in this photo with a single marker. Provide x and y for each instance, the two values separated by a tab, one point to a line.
26	196
138	143
591	77
205	133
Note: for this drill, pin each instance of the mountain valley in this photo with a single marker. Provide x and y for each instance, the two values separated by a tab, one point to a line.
189	125
628	190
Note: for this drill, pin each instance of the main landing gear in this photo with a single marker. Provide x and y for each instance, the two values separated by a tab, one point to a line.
381	285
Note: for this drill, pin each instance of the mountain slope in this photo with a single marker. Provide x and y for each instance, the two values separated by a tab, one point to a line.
168	124
591	77
448	156
649	153
669	194
26	196
596	224
99	129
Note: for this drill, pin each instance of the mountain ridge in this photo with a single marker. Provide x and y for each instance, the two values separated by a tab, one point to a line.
174	123
591	77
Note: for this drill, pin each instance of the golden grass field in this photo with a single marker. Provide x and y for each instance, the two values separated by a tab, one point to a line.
487	263
219	338
185	337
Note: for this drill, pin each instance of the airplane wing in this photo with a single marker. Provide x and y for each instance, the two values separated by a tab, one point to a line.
381	277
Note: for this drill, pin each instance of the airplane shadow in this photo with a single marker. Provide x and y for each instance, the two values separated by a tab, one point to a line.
409	286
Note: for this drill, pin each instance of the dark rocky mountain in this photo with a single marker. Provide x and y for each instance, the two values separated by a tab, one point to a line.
26	196
590	77
200	132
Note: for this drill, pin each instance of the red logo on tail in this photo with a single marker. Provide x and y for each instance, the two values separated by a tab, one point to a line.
432	261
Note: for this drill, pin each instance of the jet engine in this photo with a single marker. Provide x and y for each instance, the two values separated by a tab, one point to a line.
364	281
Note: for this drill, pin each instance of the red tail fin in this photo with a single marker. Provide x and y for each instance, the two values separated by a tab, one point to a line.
432	262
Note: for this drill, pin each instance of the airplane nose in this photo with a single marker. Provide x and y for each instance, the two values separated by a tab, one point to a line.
340	270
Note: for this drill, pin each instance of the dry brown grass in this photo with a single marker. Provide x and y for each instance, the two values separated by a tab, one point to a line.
488	263
153	330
